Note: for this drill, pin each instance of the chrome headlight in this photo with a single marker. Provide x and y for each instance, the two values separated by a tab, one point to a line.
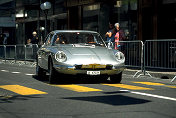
60	56
119	56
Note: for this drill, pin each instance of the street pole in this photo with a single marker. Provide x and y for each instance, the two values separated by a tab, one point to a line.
45	7
46	13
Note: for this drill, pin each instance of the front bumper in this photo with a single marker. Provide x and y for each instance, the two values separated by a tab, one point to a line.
73	70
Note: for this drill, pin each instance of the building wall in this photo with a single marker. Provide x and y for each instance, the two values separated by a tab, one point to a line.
140	19
7	20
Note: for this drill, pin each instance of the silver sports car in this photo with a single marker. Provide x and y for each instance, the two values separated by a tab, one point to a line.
78	52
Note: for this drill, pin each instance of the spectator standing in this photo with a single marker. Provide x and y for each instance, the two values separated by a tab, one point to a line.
30	42
110	34
1	39
34	39
5	40
119	36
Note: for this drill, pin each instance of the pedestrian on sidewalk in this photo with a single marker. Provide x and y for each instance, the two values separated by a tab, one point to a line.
119	36
110	34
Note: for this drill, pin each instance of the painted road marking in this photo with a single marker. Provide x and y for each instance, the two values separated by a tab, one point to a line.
153	95
155	84
171	86
29	74
22	90
15	72
77	88
129	87
4	70
150	83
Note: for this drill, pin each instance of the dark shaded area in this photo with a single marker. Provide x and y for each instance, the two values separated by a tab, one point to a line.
11	99
115	92
164	77
76	79
111	100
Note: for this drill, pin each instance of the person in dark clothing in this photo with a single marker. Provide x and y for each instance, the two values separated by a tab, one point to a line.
110	34
34	39
1	39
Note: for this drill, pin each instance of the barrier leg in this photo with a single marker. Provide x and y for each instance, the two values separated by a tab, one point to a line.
137	73
143	73
173	79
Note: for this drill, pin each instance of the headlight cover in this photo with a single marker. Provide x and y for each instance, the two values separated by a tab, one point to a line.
60	56
119	56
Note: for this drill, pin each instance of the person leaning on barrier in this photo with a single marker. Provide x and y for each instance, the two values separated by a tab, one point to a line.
110	34
119	36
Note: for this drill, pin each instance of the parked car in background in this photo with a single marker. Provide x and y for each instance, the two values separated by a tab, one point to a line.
78	52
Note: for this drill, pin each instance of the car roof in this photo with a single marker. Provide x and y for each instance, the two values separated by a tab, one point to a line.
72	31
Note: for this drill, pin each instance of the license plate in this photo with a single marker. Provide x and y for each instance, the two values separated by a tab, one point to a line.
93	72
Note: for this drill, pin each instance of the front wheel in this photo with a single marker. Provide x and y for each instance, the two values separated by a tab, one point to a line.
52	73
116	78
40	72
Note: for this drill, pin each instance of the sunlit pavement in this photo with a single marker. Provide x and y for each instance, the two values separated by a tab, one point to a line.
23	95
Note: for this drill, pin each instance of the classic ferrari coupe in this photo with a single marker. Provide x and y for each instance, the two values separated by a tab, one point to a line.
78	52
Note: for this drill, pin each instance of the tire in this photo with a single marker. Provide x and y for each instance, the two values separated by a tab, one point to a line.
116	78
40	73
52	73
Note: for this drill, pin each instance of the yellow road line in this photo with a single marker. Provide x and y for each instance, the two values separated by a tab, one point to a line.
155	84
150	83
171	86
77	88
129	87
21	90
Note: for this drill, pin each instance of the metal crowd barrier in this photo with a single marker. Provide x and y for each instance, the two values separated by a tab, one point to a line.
160	54
134	56
20	53
133	51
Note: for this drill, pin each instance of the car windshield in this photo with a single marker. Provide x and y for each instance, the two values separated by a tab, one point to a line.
78	38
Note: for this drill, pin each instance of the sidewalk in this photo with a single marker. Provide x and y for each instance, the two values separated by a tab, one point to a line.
163	75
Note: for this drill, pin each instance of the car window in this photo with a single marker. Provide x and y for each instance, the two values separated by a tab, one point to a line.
49	39
78	38
60	39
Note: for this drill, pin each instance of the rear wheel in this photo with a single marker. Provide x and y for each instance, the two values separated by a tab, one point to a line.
116	78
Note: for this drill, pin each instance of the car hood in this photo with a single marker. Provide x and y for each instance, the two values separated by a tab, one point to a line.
78	51
89	55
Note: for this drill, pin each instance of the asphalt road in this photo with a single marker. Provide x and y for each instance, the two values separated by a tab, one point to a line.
23	96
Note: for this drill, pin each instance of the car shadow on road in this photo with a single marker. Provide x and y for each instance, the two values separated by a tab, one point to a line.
75	80
111	99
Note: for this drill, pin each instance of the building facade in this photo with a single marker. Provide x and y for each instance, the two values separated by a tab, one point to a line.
140	19
7	21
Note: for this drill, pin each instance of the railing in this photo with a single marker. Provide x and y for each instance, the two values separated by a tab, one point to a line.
151	54
18	52
133	51
160	54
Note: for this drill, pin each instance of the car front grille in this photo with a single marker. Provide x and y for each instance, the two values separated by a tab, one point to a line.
93	67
